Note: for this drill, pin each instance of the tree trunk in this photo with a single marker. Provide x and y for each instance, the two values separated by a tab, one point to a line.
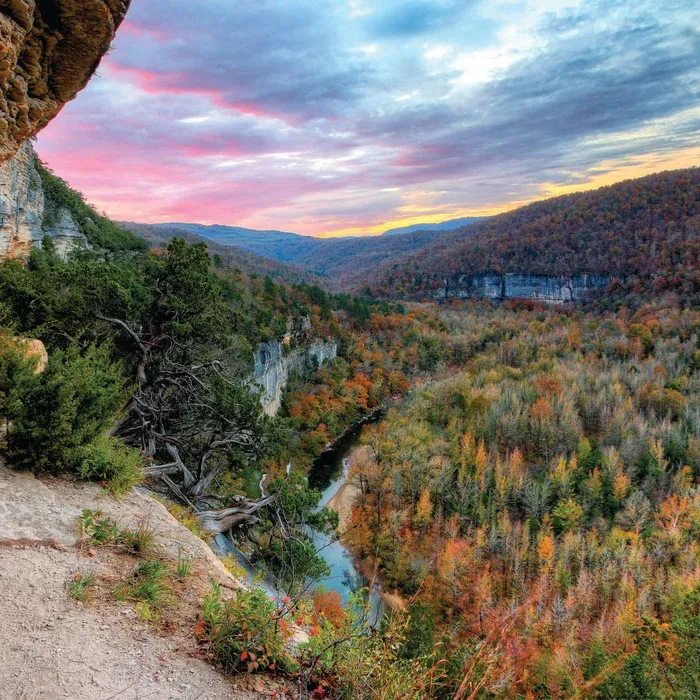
243	514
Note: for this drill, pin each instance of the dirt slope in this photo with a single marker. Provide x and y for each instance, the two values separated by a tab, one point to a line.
52	646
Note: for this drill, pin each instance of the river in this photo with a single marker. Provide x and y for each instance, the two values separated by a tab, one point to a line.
327	474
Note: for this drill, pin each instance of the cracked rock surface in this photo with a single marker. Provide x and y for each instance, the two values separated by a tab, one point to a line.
49	49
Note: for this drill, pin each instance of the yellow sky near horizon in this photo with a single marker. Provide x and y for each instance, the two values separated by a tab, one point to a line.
636	167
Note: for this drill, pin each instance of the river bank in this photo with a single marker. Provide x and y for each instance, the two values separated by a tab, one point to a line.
342	502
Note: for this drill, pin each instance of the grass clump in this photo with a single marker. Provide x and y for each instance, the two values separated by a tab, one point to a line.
140	541
150	585
101	530
116	465
184	566
79	587
244	634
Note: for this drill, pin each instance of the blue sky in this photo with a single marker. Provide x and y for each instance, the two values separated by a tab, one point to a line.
352	116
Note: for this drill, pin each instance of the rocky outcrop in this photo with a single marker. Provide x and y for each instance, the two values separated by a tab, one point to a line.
35	349
65	233
274	365
48	52
23	223
547	288
21	204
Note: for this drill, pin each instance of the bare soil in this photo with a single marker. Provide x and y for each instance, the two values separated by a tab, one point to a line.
52	646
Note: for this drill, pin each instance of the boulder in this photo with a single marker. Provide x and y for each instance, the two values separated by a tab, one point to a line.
35	348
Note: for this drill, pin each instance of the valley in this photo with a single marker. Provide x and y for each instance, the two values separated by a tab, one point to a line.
457	459
541	445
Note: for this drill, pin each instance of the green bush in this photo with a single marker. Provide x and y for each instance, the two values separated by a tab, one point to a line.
243	634
55	416
110	461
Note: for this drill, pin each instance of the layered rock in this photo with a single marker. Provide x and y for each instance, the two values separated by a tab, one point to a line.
65	233
48	52
274	365
21	204
547	288
22	209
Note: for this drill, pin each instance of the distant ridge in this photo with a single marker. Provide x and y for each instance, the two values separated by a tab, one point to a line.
644	233
232	256
442	226
279	245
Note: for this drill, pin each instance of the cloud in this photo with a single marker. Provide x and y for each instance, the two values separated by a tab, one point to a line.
331	115
284	58
404	19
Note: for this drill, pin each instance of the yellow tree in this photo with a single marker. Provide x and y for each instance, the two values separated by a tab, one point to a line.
424	510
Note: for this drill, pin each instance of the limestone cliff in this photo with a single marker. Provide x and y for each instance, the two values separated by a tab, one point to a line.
274	366
22	210
48	52
547	288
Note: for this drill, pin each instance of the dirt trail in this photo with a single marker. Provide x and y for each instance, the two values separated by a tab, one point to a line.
52	646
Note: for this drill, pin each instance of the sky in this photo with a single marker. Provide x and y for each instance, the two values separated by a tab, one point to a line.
348	117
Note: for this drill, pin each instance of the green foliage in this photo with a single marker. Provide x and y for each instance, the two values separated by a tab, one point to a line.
15	370
290	550
420	633
79	587
114	463
566	516
98	229
97	527
633	680
244	634
59	413
150	584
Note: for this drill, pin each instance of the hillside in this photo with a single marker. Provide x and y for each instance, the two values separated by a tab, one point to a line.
278	245
230	256
450	225
343	262
645	232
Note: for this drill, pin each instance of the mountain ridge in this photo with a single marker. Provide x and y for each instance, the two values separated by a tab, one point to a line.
449	225
645	231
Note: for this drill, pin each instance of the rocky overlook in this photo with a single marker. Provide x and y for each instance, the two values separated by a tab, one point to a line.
23	210
48	52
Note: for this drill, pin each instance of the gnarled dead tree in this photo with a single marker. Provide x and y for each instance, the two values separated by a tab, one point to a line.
192	410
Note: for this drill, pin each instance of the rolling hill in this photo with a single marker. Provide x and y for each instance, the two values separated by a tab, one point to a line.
231	256
278	245
450	225
644	233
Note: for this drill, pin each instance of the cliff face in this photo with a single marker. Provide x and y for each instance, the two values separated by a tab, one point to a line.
548	288
273	367
22	208
48	52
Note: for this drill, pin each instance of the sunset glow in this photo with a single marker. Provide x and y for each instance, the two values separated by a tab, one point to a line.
348	118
